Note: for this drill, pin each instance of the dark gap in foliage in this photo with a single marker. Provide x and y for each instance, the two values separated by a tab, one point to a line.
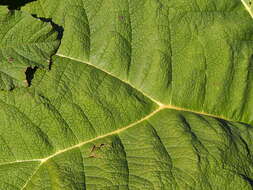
15	4
30	74
57	27
249	180
50	64
11	88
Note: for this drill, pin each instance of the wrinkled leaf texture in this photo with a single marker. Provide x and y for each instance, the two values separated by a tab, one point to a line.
141	94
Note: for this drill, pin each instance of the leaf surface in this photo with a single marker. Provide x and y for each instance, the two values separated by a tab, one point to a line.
141	95
190	55
24	42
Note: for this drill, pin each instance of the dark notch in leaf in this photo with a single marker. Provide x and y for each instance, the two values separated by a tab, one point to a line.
249	180
15	4
30	74
57	27
16	77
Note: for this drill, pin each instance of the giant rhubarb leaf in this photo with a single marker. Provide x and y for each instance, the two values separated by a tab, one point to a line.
142	94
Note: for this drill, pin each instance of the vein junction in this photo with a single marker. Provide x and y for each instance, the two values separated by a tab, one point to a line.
151	98
161	107
43	160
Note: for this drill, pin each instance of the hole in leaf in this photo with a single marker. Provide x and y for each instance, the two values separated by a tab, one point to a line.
249	180
30	74
57	27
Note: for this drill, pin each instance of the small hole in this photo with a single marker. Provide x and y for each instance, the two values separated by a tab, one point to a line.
30	75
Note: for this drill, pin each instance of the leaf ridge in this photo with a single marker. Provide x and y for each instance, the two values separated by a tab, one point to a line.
248	7
19	161
43	160
169	106
30	178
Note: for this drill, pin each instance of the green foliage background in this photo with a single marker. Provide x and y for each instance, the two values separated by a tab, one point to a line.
126	95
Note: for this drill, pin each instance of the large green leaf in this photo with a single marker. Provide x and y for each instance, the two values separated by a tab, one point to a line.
195	55
25	42
81	128
142	94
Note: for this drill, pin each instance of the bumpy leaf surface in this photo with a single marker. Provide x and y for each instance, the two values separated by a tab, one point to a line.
146	94
24	42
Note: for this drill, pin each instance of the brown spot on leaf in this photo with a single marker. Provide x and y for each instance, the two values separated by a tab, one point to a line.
94	149
10	59
93	156
121	18
101	145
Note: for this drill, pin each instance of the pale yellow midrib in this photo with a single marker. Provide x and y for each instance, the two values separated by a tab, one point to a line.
43	160
110	74
19	161
161	107
151	98
247	7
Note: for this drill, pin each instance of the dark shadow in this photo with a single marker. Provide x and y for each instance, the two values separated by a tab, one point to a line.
249	180
15	4
58	28
30	74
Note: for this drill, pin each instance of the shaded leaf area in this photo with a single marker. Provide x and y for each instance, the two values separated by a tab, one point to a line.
79	135
14	4
26	42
